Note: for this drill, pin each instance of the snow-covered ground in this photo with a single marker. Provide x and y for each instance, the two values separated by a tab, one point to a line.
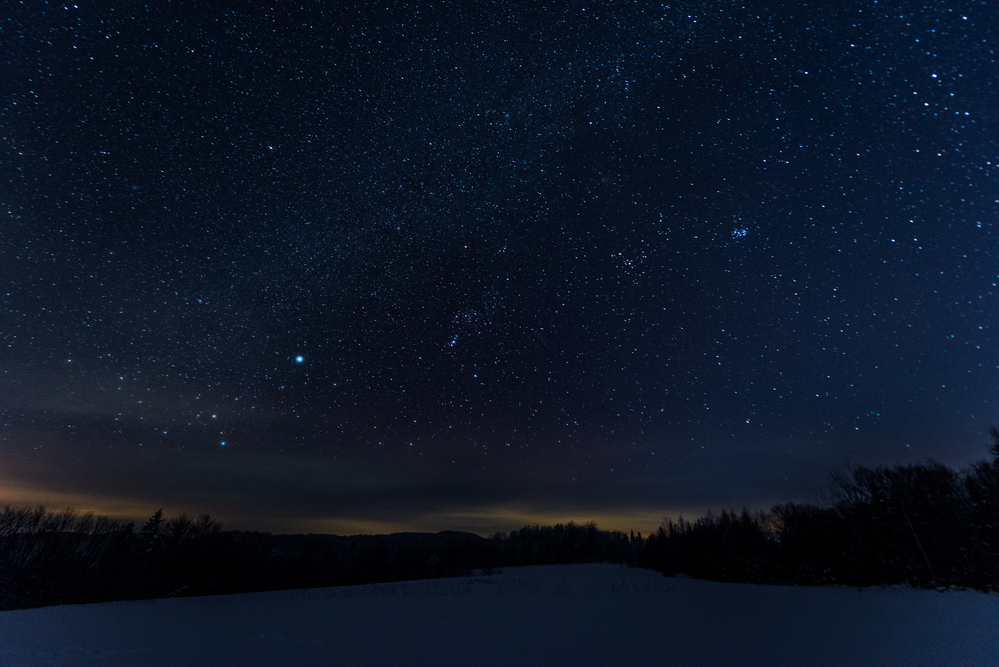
555	615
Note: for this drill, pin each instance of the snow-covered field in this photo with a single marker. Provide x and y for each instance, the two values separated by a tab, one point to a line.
555	615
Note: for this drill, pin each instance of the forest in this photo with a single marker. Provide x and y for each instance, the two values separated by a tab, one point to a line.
923	525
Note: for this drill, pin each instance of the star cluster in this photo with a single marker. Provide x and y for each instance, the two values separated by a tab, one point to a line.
625	254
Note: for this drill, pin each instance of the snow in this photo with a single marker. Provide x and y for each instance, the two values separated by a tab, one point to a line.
549	615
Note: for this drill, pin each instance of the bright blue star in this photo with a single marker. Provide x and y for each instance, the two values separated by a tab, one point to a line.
299	358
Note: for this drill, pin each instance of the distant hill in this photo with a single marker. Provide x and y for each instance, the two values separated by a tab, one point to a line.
406	540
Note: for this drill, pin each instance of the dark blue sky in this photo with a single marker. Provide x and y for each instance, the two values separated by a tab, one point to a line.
454	266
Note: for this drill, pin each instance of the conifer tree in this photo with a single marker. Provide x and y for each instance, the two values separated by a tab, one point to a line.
149	536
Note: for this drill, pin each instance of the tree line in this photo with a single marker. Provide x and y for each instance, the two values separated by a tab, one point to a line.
923	525
49	558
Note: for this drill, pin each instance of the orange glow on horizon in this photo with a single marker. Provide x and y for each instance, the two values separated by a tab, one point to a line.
484	521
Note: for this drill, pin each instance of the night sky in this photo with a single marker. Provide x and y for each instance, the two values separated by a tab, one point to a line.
366	267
